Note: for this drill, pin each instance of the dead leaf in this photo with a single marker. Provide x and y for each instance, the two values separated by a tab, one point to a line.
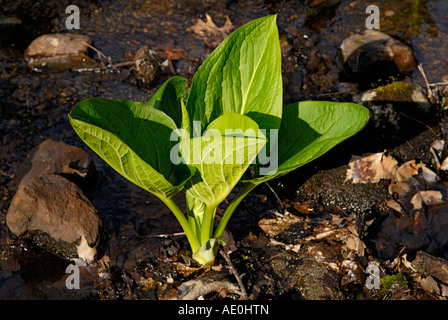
444	165
429	175
355	244
428	284
400	188
85	251
175	54
396	206
364	169
371	168
276	226
185	270
374	167
436	150
429	197
208	30
407	170
389	169
302	207
148	284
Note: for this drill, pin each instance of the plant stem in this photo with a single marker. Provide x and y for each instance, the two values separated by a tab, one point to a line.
191	236
231	208
207	223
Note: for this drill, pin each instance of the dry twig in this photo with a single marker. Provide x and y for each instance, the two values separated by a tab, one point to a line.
428	88
235	273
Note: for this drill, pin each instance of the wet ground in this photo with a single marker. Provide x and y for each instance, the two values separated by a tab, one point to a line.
34	107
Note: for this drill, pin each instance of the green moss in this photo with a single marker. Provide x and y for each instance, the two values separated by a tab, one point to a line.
395	91
387	282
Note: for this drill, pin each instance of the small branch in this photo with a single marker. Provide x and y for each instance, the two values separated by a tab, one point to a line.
427	126
203	289
235	273
275	194
436	84
100	54
163	235
124	64
428	88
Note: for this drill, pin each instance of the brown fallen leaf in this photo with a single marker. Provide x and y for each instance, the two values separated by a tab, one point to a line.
400	188
302	207
407	170
186	270
444	165
374	167
369	168
276	226
428	197
396	206
209	31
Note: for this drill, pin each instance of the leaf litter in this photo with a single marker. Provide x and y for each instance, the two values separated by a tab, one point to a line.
210	32
418	198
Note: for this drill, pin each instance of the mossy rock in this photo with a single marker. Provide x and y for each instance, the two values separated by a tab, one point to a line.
396	108
398	91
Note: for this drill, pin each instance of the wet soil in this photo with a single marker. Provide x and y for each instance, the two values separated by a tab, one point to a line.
133	262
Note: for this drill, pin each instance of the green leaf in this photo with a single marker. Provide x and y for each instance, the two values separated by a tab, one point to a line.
195	212
242	75
168	98
134	139
311	128
220	157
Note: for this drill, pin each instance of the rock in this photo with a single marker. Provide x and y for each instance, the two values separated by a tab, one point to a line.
52	157
49	208
395	106
53	212
398	91
306	276
58	51
373	55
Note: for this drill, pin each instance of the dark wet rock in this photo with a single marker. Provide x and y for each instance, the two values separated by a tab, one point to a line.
311	279
374	55
330	187
59	51
394	106
49	207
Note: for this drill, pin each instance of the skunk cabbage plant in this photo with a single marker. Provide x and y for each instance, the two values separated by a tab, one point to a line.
228	127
